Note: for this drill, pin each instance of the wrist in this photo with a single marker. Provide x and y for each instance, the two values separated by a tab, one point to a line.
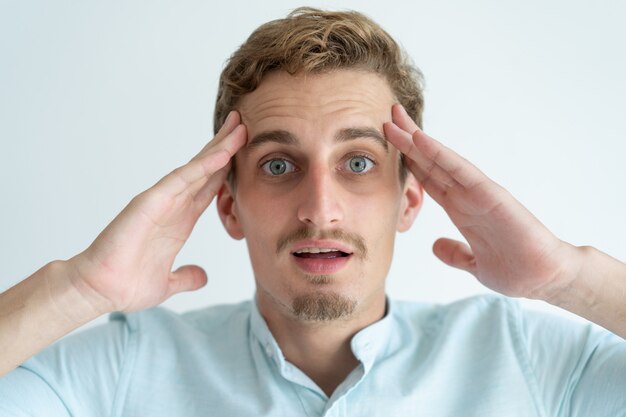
596	289
66	292
568	281
578	287
38	311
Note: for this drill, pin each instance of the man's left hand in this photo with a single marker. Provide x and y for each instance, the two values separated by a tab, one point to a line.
510	250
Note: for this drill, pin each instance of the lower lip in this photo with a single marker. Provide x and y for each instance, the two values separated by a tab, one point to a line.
321	266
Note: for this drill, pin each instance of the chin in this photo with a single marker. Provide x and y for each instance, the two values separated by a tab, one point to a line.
323	306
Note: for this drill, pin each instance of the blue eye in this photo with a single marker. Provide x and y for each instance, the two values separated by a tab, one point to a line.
277	167
359	164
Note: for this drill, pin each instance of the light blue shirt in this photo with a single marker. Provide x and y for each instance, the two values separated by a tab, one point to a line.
483	356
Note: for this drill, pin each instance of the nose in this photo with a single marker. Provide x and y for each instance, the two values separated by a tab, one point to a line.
320	205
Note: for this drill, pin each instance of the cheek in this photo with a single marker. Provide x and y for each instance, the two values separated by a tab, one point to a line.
384	232
263	221
256	222
382	218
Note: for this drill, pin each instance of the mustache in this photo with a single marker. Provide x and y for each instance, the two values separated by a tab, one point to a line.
354	240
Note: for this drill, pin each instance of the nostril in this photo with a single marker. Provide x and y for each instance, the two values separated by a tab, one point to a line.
319	212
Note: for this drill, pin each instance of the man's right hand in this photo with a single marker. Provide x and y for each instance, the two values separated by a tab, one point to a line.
128	266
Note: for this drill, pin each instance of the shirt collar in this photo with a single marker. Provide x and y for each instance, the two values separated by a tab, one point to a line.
264	336
368	345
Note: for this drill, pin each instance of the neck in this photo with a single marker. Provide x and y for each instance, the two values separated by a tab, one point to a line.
319	349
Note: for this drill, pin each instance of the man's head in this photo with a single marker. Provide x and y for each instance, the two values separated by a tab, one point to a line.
320	193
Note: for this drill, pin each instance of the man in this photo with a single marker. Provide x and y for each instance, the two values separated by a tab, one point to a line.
318	123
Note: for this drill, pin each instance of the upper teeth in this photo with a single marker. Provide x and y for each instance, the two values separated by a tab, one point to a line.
316	250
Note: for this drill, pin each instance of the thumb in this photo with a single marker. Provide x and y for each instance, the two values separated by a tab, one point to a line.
187	278
456	254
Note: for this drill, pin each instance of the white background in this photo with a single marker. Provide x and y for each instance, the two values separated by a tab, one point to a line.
100	99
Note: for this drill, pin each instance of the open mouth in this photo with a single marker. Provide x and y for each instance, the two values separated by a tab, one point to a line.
321	254
321	260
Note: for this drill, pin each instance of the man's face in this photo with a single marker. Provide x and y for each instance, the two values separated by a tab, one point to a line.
318	195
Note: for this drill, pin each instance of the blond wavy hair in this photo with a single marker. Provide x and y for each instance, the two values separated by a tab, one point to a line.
315	41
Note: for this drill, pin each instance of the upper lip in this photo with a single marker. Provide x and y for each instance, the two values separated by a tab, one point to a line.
321	244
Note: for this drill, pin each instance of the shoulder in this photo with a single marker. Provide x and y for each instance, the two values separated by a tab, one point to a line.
116	342
498	321
205	320
106	359
483	321
162	331
485	309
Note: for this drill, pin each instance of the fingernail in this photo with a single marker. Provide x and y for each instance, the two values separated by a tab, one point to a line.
229	117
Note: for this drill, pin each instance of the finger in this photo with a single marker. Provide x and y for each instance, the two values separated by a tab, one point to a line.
430	154
402	119
231	144
426	171
232	121
456	254
209	190
192	176
187	278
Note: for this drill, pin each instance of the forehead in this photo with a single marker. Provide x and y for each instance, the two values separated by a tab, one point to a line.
302	102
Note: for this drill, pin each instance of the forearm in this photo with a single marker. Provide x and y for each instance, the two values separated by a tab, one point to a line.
598	290
38	311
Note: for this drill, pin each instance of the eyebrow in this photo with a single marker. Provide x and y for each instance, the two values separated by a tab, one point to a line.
344	135
352	133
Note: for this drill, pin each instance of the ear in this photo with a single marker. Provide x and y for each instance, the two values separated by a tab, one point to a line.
227	209
412	199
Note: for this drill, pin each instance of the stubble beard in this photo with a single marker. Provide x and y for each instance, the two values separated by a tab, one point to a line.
322	306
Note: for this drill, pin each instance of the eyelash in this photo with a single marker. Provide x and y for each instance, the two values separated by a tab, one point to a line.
361	155
355	155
